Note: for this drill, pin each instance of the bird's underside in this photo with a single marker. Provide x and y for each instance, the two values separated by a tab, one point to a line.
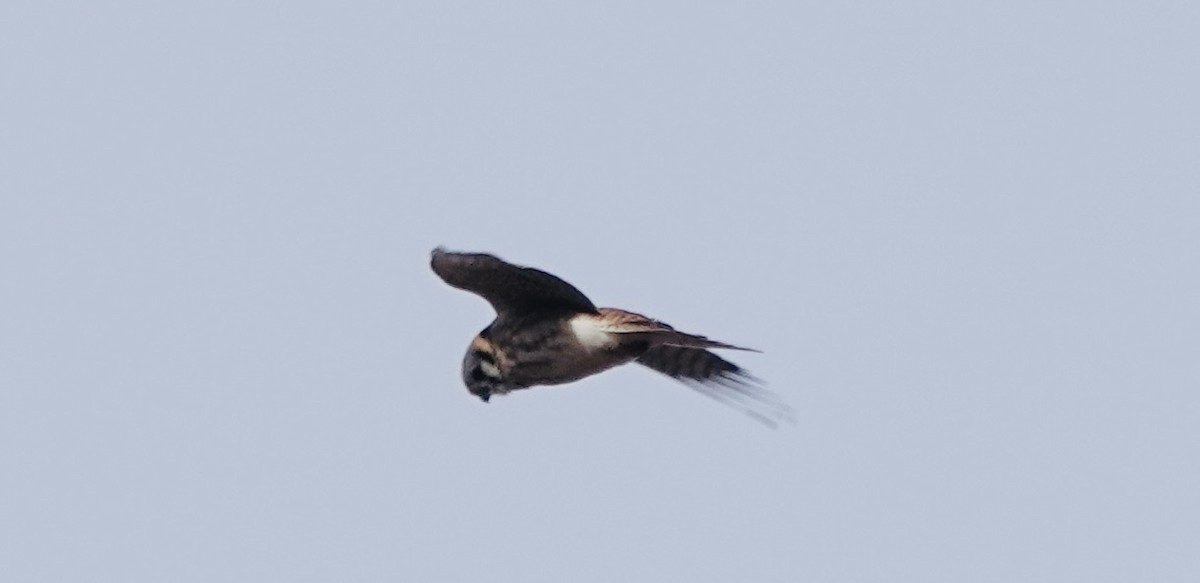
546	332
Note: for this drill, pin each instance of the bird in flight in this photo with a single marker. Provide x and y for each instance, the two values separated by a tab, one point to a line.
546	332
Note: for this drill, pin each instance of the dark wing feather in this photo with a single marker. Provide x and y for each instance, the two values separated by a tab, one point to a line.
508	287
719	379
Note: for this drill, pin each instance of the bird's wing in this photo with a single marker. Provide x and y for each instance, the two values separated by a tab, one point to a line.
509	288
637	326
719	379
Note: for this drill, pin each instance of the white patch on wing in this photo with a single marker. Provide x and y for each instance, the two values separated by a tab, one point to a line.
591	333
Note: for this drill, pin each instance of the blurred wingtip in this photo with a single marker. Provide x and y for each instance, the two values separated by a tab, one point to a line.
746	393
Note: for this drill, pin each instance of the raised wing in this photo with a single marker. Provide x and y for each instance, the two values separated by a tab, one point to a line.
719	379
509	288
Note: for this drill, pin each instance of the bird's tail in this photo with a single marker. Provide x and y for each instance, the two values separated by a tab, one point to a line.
637	326
684	340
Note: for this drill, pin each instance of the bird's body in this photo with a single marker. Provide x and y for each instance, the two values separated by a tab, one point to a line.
546	332
552	348
544	349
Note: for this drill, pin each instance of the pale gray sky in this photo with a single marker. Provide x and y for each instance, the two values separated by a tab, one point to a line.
965	237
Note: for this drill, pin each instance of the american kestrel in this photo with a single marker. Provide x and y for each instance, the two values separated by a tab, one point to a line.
546	332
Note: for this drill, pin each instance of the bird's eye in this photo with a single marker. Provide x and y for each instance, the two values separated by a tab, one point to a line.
477	374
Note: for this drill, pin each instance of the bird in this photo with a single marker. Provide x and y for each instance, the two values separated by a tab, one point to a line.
547	332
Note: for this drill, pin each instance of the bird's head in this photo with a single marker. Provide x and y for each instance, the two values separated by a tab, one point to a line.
481	370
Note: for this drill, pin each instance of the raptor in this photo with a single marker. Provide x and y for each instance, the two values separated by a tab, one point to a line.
547	332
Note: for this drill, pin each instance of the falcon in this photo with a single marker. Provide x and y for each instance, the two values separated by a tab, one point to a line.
546	332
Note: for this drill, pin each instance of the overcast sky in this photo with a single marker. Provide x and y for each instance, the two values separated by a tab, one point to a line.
966	237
